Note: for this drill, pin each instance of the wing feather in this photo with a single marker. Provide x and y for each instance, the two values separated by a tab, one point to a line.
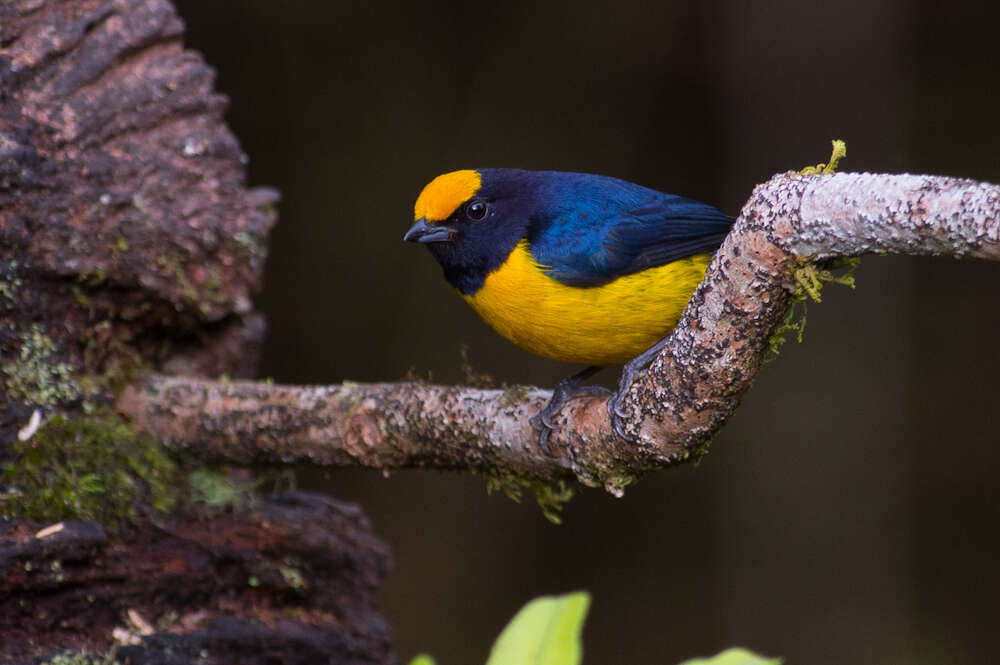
592	237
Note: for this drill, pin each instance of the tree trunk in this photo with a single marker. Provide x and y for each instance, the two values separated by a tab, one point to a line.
125	228
127	242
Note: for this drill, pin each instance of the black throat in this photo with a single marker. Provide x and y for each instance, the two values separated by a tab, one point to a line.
466	265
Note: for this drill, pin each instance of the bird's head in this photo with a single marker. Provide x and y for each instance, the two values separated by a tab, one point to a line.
470	221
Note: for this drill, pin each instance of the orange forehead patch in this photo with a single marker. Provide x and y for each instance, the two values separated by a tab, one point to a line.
442	195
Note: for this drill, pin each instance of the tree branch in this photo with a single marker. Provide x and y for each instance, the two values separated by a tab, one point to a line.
688	393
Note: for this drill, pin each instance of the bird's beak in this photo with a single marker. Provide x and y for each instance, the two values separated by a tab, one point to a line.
422	232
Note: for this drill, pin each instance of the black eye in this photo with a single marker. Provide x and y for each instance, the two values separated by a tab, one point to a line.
476	210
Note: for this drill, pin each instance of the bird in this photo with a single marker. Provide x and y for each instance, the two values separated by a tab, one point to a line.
577	267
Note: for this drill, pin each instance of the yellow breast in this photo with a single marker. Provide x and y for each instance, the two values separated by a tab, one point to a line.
595	325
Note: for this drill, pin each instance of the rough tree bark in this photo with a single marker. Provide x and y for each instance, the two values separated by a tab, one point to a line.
292	581
124	223
127	240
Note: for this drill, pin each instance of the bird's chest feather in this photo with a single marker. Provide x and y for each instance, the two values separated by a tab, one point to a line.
596	325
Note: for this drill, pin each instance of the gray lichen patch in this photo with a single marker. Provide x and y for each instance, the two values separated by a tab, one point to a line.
10	284
36	375
81	658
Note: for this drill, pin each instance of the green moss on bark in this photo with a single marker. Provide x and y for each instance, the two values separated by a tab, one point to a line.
88	468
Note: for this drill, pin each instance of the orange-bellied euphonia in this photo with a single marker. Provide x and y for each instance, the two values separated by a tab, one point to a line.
576	267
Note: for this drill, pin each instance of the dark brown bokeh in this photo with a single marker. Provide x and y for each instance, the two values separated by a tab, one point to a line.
826	525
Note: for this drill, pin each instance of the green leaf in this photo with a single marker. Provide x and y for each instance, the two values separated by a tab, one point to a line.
734	656
545	632
422	659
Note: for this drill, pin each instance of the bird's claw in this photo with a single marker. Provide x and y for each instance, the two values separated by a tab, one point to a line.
543	441
541	423
618	416
615	404
630	372
564	391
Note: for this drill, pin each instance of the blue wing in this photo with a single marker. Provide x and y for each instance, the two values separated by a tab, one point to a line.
593	229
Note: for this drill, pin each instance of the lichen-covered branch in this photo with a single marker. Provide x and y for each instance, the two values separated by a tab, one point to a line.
688	393
719	343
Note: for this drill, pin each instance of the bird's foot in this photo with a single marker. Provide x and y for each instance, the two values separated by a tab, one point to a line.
630	372
615	411
564	391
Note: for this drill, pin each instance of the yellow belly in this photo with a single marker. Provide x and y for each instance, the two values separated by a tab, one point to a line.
595	325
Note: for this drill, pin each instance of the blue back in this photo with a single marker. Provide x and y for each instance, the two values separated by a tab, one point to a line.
589	229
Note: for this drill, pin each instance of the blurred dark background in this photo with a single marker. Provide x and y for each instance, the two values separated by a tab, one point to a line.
848	513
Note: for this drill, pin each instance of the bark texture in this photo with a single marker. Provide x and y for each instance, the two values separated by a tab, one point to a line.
690	390
291	581
128	240
125	226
